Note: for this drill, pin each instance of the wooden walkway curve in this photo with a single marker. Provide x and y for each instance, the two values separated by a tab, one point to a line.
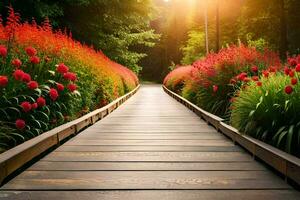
151	148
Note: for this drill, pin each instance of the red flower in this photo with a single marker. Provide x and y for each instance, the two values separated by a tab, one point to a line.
246	80
242	76
288	89
53	94
292	73
31	51
254	69
259	83
294	81
3	51
255	78
62	68
70	76
233	81
16	62
292	62
34	106
26	106
73	87
26	77
18	74
32	85
3	81
287	70
266	73
35	60
297	68
272	69
60	87
41	101
20	124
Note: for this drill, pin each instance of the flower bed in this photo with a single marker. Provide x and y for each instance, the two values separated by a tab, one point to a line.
252	91
47	79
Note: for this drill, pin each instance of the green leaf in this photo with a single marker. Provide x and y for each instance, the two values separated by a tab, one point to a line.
13	112
42	116
280	138
289	139
274	138
251	113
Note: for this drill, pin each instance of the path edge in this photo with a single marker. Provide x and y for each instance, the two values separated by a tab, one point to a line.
15	158
284	163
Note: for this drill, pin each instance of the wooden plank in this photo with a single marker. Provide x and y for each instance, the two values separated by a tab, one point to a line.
150	137
78	141
150	156
146	166
149	148
154	195
93	180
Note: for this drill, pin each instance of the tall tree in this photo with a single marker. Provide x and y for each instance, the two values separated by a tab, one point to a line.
118	27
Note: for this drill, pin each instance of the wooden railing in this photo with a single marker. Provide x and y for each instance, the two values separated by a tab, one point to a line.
18	156
286	164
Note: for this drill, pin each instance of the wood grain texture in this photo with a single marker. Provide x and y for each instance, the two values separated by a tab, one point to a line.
151	147
153	195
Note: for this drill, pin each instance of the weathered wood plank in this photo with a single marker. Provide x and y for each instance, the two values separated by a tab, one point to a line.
74	180
151	142
154	195
149	148
146	166
150	156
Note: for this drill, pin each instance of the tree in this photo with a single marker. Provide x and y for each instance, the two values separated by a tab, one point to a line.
194	48
118	27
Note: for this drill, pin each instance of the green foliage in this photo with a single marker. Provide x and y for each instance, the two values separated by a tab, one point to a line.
194	48
269	114
118	27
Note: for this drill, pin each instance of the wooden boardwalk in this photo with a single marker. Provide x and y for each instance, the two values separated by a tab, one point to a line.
150	148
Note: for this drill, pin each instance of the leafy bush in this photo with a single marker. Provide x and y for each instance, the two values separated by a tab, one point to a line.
216	75
47	79
175	80
269	111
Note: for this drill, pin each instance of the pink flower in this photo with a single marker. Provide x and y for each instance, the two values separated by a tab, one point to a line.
26	106
32	85
17	63
3	81
20	124
31	51
53	94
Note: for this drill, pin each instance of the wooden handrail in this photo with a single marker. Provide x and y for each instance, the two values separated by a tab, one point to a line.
288	165
15	158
